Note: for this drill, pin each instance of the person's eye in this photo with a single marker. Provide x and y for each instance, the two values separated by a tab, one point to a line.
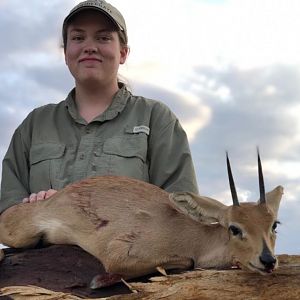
104	38
77	38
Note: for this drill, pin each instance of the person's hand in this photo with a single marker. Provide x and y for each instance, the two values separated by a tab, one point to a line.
42	195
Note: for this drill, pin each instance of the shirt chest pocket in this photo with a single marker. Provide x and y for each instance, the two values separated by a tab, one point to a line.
45	163
127	156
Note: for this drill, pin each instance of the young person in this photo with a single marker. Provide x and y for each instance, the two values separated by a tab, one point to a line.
100	128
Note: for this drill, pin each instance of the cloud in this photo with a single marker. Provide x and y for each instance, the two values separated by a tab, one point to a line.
248	118
28	24
288	231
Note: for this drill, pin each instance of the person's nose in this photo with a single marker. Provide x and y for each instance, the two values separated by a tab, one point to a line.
90	48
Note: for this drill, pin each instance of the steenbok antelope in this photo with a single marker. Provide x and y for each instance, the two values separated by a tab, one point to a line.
134	227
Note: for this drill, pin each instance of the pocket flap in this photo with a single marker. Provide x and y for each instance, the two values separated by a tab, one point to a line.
45	151
134	146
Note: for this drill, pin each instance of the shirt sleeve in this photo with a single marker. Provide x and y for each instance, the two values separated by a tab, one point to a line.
170	162
15	173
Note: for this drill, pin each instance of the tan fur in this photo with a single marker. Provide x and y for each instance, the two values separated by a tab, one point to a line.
132	227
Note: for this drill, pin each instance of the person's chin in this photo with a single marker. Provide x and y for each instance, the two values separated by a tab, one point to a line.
90	79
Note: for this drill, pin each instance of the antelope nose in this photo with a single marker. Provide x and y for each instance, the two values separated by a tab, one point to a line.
269	261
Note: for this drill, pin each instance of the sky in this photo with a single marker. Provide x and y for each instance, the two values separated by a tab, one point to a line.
229	70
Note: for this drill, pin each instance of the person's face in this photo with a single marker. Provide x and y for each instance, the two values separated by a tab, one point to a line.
93	50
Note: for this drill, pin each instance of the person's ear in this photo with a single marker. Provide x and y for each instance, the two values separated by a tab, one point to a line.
124	54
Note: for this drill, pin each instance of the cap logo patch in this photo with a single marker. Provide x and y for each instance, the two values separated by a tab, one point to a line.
94	3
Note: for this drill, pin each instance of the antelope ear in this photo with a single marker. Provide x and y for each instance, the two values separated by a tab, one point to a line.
199	208
273	199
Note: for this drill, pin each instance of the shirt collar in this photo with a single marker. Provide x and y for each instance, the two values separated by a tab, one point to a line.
118	104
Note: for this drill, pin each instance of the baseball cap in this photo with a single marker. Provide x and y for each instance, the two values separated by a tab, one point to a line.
106	8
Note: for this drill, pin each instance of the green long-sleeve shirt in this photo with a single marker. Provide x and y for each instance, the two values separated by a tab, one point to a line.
134	137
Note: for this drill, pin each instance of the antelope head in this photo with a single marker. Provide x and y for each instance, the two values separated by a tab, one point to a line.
252	227
249	228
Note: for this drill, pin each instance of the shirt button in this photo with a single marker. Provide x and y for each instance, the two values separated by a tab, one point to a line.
87	130
81	157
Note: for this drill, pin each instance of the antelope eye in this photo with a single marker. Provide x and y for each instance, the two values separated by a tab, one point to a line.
275	226
235	230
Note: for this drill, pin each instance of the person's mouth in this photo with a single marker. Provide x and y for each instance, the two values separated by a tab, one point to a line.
90	59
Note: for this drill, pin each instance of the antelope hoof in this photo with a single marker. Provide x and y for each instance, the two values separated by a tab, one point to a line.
162	271
103	280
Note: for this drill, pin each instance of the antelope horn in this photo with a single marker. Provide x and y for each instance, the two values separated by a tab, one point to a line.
262	193
231	183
